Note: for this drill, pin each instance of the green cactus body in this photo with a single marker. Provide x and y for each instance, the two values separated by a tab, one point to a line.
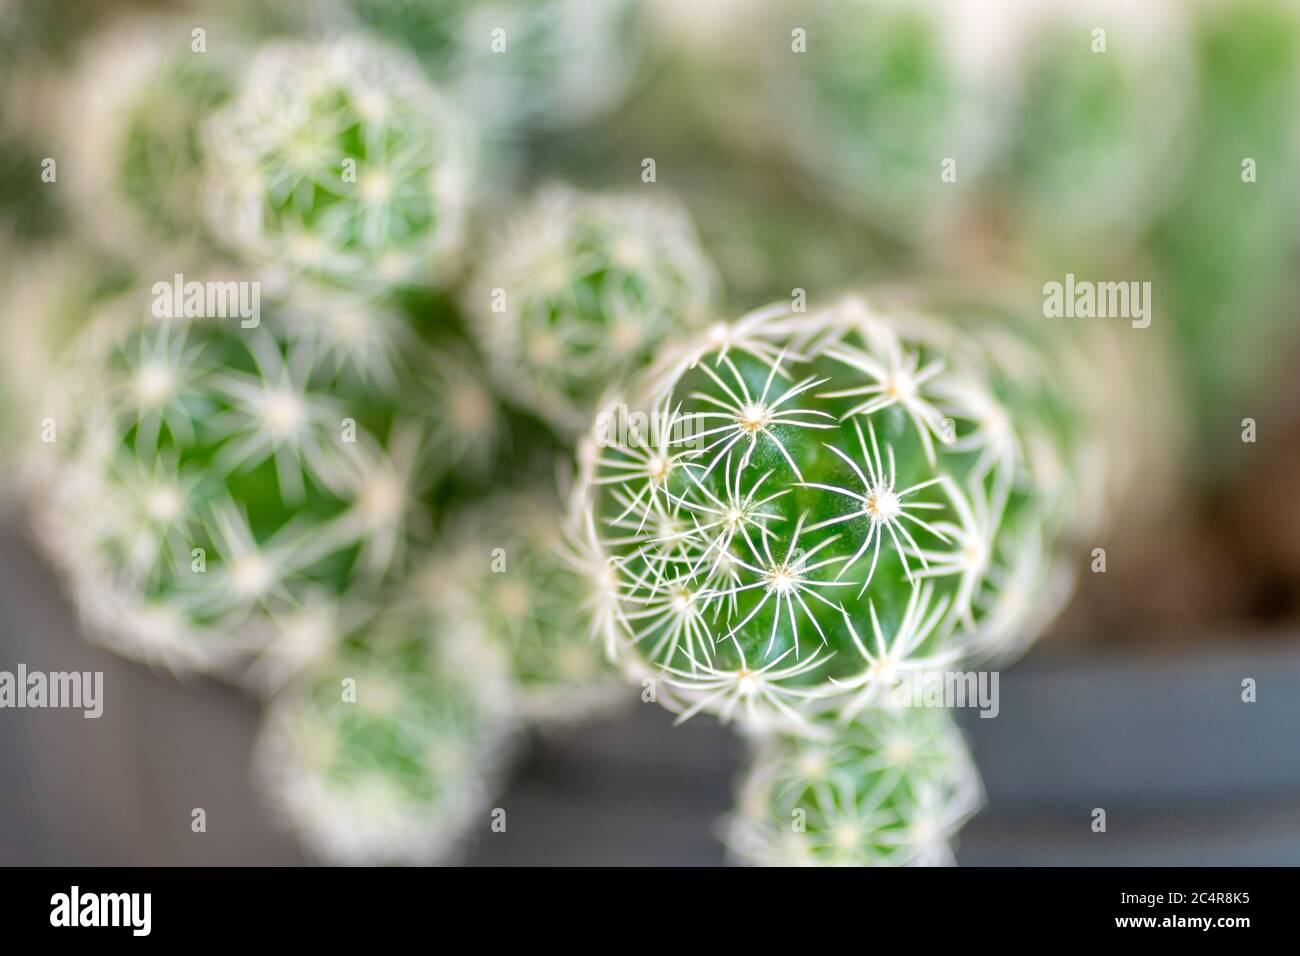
134	116
339	162
1095	134
535	597
50	293
1225	250
387	750
216	489
878	101
810	506
580	290
517	62
892	789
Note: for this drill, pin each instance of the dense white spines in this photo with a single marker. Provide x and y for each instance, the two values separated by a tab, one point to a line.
578	290
890	790
340	162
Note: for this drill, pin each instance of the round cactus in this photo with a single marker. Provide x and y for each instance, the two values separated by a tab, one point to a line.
1099	107
389	749
211	484
809	506
580	289
49	295
880	96
535	598
338	161
530	62
892	789
134	114
1225	248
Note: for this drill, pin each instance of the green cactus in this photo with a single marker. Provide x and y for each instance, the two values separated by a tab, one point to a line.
51	292
212	484
388	750
1100	103
553	63
875	104
892	789
534	595
338	161
578	290
1225	249
133	117
807	507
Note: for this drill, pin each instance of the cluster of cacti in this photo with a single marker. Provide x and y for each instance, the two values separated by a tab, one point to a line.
293	414
265	458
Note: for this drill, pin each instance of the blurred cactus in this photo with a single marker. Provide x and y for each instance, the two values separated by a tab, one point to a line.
1225	249
893	789
389	750
132	120
580	289
211	480
50	293
877	100
517	62
338	161
1095	127
508	558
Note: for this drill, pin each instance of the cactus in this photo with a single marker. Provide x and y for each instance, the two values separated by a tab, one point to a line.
891	790
1224	251
879	98
802	511
212	483
132	118
338	161
388	749
811	505
1100	105
507	556
513	62
49	295
578	290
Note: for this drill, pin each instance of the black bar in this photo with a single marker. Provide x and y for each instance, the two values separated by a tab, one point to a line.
458	908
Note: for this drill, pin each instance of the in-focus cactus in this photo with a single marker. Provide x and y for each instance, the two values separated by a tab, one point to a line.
803	507
389	749
581	289
339	161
